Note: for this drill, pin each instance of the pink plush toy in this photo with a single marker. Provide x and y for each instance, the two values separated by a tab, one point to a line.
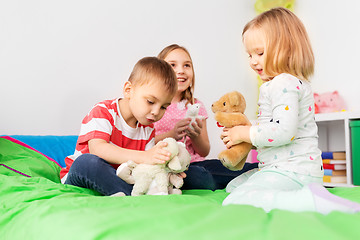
329	102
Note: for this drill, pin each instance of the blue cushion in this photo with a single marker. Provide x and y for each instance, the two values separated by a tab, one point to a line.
56	147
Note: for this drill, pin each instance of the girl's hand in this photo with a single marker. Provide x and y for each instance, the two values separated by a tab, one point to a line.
180	128
235	135
197	125
157	154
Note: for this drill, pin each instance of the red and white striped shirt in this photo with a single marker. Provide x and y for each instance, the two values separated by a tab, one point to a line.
104	121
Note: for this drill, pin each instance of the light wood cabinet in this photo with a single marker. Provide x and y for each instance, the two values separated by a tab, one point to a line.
334	135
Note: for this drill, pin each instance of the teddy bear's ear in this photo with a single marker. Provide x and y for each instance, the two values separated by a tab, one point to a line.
234	99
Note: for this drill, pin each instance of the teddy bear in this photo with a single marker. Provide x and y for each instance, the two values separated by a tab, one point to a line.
229	112
157	179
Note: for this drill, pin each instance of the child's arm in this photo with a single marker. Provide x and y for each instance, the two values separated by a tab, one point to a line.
236	135
117	155
199	137
178	132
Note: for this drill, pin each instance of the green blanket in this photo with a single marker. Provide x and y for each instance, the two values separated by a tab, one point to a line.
34	205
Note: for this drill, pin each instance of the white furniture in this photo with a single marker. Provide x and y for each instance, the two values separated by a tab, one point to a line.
334	135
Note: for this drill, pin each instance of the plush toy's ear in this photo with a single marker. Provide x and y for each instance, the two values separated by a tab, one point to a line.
174	164
184	157
234	99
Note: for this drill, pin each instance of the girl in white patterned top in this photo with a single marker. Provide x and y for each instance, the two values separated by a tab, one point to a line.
286	133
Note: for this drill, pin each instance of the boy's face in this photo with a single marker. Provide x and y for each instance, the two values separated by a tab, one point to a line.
148	102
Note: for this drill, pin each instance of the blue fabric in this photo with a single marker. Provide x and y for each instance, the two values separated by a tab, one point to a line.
90	171
56	147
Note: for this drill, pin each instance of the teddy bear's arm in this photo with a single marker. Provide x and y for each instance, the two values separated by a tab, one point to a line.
231	119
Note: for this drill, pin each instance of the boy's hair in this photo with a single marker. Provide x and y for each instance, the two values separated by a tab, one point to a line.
287	45
188	94
150	69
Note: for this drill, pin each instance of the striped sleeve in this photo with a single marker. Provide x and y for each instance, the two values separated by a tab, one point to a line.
98	123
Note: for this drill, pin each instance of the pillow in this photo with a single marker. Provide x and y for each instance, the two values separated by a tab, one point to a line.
19	160
55	147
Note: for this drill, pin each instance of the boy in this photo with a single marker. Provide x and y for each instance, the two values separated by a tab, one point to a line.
118	130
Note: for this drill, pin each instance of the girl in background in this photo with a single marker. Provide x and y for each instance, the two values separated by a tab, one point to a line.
286	133
202	174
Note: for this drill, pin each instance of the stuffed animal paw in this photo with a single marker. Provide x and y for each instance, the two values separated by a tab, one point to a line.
229	112
124	172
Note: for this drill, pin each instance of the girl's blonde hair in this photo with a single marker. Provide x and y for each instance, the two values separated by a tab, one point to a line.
188	94
287	45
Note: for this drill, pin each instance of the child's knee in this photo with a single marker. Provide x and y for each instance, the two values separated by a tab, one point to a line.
198	177
239	180
87	160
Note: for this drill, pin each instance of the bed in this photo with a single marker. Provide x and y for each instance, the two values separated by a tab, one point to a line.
35	205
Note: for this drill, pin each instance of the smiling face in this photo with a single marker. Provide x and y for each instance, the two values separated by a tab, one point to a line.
146	102
255	46
182	65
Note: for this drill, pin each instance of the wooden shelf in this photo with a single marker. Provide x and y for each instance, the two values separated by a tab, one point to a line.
321	117
334	135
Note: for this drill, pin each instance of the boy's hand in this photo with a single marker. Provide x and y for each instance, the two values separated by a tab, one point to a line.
180	128
157	154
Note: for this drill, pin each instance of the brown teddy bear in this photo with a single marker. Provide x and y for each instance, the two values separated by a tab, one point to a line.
229	112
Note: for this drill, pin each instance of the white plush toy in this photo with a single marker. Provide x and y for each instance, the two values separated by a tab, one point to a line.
160	179
193	113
